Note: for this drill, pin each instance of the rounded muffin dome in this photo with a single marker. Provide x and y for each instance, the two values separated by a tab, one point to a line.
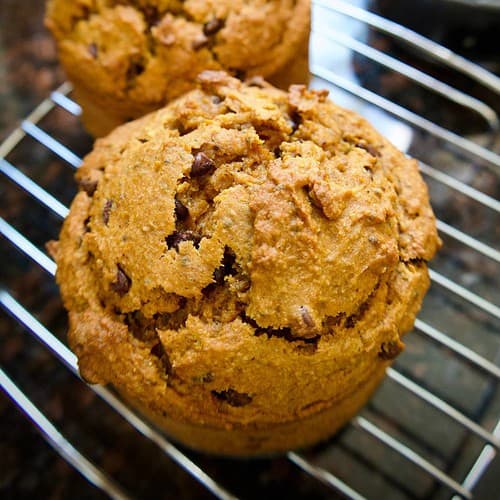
128	58
242	263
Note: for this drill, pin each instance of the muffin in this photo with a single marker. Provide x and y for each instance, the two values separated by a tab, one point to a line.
128	58
241	264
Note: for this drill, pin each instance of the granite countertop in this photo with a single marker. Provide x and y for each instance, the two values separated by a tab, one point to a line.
30	468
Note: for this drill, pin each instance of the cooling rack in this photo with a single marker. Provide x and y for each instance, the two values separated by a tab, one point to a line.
433	428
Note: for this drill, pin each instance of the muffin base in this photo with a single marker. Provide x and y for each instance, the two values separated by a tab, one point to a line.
270	439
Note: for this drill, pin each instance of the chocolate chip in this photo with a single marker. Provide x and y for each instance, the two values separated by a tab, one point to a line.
106	211
233	398
228	261
333	321
213	26
151	15
389	350
93	51
240	74
226	269
122	284
89	186
308	347
369	149
182	128
216	99
206	378
350	322
159	351
306	316
219	276
200	42
177	237
202	165
86	225
295	121
249	321
135	69
142	328
181	211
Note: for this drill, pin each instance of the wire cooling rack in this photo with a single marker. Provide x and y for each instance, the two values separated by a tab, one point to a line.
433	427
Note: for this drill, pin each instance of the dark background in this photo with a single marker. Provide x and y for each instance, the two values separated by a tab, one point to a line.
28	466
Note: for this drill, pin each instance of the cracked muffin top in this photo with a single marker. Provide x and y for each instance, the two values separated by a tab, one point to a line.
143	53
240	247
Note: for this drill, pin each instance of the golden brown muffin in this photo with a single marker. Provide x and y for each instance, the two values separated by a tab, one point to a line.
241	264
127	58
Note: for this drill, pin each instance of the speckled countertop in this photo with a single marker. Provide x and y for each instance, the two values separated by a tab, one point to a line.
30	468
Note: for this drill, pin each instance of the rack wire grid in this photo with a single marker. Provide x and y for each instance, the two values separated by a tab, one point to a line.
433	427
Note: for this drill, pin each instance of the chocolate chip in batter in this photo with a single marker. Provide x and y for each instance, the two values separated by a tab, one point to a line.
226	269
89	186
202	165
308	346
233	398
151	15
159	351
93	51
86	225
181	211
369	149
177	237
135	69
389	350
106	211
306	316
207	378
122	283
295	121
240	74
213	26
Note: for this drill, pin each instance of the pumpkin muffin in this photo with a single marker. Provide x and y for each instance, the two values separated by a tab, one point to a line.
241	264
129	57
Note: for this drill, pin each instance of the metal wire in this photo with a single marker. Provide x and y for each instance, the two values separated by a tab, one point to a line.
417	76
410	455
32	188
491	159
60	444
419	42
376	432
458	348
69	359
491	439
27	247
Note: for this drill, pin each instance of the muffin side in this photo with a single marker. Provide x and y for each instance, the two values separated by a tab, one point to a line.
242	264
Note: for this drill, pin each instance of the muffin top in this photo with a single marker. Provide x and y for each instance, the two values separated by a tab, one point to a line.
240	234
150	51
